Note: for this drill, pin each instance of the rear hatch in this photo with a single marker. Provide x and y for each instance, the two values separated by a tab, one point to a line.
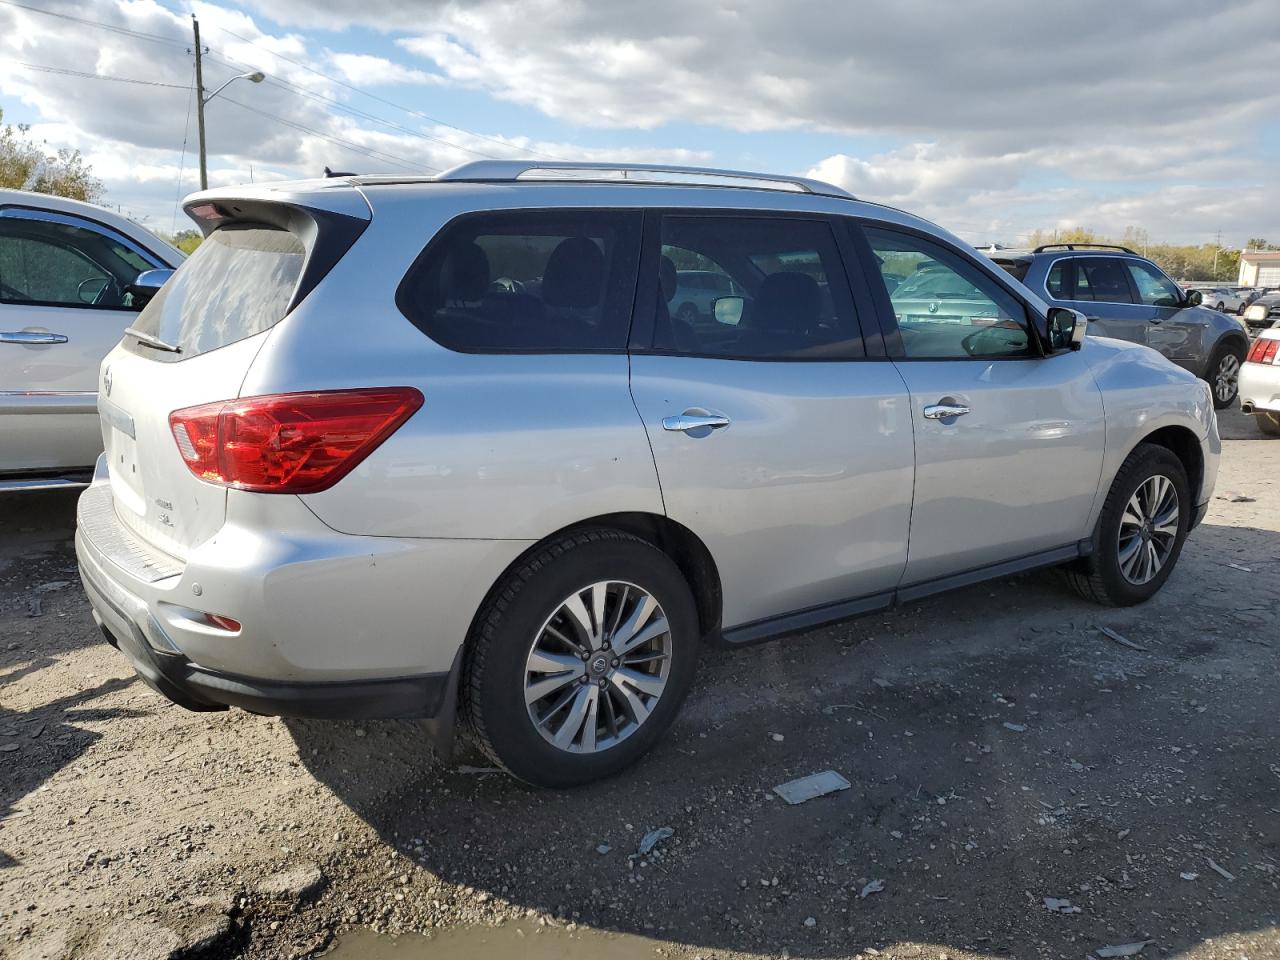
264	250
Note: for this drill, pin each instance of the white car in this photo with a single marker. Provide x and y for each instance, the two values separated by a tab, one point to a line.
1260	382
68	276
1222	299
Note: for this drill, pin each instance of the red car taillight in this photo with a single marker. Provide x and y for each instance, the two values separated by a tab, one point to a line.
1263	351
289	442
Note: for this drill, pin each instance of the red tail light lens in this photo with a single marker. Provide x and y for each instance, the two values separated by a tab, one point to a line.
1263	351
289	442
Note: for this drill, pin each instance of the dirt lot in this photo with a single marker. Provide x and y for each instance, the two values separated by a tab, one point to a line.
1002	751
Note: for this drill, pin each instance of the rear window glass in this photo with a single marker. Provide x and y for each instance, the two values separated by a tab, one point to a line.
238	283
1015	268
535	281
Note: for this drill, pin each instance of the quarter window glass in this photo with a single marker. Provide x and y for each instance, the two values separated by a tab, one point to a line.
1154	288
776	290
536	282
1055	282
1101	279
945	307
63	265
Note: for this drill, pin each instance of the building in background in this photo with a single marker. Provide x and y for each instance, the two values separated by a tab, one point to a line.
1259	268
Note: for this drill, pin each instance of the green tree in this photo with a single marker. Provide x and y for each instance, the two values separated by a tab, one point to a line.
186	240
28	165
1257	243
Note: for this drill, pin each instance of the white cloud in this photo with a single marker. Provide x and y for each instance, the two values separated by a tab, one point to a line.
363	69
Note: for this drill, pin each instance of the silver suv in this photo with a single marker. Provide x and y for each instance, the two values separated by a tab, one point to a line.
1128	297
440	447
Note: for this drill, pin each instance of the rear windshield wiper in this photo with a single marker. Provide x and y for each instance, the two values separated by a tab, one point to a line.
153	342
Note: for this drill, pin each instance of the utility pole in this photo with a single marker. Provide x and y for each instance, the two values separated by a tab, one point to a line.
204	168
1217	246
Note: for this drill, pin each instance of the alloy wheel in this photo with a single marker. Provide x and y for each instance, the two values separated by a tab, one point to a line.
1226	378
1148	529
598	667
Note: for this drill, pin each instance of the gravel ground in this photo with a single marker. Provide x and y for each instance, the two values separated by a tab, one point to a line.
1002	751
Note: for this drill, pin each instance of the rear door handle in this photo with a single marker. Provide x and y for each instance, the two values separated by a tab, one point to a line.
945	410
31	336
694	421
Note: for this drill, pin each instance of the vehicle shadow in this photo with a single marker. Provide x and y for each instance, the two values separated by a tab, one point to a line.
1002	750
35	744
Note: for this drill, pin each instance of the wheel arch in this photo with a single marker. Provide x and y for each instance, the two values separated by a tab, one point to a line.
1185	445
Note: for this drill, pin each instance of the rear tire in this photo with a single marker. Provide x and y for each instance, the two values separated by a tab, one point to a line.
1150	484
1268	422
1223	375
1220	307
558	700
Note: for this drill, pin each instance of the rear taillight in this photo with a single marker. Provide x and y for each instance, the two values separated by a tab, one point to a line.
1263	351
289	442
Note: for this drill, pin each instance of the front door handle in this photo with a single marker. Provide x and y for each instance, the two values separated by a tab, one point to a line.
694	421
945	410
31	336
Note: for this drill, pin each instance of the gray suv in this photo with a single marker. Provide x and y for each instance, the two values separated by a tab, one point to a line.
1128	297
442	446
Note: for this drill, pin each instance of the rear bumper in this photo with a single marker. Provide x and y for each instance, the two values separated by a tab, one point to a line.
128	625
1259	387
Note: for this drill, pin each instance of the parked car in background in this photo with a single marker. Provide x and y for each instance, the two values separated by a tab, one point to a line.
68	272
1260	381
698	290
1128	297
1222	299
533	508
1263	311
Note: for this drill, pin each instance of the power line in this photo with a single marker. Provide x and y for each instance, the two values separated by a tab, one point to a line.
155	38
99	76
361	114
383	100
340	141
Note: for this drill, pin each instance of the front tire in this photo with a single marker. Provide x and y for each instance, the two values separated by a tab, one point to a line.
580	658
1223	374
1220	307
1139	535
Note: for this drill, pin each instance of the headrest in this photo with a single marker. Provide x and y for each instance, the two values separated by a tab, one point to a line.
464	275
574	275
667	279
787	301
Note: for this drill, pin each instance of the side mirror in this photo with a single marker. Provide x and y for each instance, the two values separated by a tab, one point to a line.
1194	298
1066	329
146	285
728	310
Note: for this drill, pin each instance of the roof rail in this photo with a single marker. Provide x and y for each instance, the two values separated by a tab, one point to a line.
511	170
1075	246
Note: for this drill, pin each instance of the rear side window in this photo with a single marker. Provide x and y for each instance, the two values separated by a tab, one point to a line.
780	291
239	282
1101	279
537	281
1056	282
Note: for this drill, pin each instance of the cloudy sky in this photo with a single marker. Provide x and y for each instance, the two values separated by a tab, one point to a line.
992	118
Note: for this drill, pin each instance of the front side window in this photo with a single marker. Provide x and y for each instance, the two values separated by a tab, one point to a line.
945	307
59	264
527	281
1154	288
773	289
1101	279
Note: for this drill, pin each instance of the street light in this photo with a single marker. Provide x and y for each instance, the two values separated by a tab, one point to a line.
257	76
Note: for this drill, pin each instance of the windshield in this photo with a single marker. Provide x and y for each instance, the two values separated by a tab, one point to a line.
238	283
